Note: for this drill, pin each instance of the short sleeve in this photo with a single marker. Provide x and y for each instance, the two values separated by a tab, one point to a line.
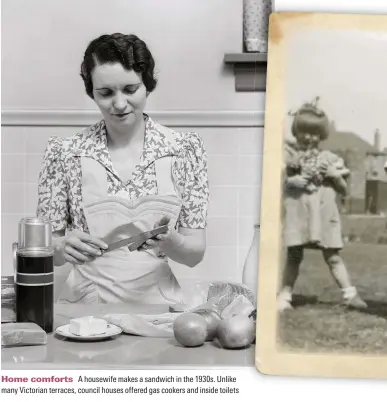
191	177
52	186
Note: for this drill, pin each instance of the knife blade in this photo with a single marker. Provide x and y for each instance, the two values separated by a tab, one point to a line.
137	240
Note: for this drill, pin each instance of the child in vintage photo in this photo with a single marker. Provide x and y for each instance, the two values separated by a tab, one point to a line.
313	178
310	162
322	307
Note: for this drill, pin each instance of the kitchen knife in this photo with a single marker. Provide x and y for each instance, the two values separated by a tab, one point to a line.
136	241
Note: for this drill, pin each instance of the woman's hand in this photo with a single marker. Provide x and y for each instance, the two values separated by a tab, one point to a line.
186	246
79	247
166	241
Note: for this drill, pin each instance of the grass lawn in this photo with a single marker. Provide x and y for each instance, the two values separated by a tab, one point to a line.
319	323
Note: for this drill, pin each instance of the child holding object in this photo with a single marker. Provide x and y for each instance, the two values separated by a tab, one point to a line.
312	178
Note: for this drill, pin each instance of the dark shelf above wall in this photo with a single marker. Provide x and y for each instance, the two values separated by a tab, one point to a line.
249	70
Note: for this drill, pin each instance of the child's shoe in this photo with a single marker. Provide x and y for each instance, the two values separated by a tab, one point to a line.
352	299
284	301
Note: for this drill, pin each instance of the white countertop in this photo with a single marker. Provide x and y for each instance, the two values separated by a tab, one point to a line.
122	352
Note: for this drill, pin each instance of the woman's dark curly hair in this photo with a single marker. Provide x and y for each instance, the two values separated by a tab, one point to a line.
128	50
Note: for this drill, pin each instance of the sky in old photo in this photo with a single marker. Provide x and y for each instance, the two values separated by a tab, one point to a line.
348	71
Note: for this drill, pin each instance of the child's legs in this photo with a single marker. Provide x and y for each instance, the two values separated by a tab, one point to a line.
294	258
337	267
340	273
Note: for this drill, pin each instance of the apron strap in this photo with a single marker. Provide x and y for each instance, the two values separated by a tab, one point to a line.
163	167
165	184
94	181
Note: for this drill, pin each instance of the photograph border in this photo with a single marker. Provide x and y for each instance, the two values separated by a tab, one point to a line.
269	359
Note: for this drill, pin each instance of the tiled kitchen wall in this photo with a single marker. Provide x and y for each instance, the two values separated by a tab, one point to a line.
234	163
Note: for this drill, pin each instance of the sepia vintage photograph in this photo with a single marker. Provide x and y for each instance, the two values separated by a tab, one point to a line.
131	150
323	252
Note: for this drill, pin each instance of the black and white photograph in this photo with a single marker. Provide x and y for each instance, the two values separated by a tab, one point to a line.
324	239
131	151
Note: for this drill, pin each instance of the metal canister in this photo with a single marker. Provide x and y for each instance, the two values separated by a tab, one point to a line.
34	273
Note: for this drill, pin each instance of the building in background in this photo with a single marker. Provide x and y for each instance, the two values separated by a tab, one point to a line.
376	179
354	150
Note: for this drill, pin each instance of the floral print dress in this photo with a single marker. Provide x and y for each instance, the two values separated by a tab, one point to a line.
60	190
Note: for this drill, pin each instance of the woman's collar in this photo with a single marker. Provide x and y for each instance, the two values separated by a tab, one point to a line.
93	143
156	142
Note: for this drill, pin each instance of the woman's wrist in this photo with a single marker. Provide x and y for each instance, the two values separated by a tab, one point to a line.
179	241
184	250
175	242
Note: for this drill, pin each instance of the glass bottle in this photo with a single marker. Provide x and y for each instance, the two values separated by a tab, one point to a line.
250	267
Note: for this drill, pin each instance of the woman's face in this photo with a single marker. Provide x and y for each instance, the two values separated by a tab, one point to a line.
120	94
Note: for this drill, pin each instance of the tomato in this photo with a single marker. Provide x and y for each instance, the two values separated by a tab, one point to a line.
190	329
213	319
236	332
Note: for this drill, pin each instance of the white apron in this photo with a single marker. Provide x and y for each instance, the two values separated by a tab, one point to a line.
121	276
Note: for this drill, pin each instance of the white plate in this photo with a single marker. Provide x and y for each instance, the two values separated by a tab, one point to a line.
112	330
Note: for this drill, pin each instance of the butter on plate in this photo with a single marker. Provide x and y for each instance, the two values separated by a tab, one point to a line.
88	326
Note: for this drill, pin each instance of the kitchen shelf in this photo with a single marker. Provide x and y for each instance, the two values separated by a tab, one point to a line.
249	70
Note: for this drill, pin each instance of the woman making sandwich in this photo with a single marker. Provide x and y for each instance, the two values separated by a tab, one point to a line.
122	176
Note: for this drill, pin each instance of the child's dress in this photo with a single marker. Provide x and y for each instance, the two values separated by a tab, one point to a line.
310	164
311	215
